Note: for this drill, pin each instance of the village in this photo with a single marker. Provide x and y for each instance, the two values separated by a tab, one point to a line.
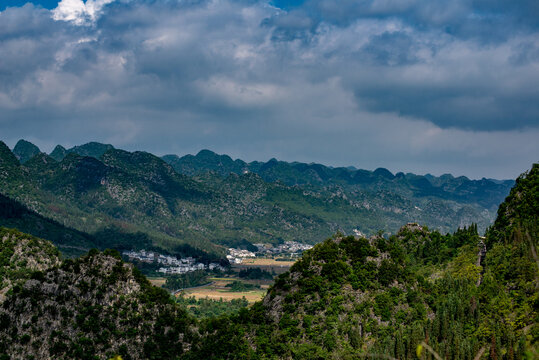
289	248
171	264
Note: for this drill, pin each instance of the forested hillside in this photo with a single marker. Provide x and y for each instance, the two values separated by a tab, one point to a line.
25	150
487	193
402	297
95	188
70	241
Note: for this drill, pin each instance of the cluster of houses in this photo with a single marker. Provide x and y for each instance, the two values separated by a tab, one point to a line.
289	248
236	256
171	264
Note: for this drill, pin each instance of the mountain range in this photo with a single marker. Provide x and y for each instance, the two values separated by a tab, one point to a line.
416	294
487	192
210	201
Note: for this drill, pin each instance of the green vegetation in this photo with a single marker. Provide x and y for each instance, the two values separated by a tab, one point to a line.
70	241
355	184
209	308
254	273
347	297
461	295
99	190
187	280
92	308
21	255
93	149
518	215
25	150
240	286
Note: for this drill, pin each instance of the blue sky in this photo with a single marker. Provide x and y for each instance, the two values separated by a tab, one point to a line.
48	4
427	86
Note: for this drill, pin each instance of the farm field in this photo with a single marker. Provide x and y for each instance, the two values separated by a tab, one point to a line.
218	290
266	262
157	281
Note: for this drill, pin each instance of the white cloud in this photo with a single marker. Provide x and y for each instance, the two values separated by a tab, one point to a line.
79	12
177	76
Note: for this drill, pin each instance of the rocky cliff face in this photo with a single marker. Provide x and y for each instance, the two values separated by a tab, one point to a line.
21	255
93	307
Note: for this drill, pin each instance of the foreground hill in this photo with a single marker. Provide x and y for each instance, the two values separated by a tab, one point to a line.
348	298
97	189
21	255
518	214
90	308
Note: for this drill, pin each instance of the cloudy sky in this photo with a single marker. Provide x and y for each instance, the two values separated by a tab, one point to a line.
426	86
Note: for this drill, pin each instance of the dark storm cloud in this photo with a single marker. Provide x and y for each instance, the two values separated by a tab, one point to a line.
473	17
23	33
390	49
465	41
411	85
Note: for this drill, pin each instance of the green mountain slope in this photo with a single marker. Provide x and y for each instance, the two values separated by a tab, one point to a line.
25	150
351	298
92	308
393	198
486	193
92	149
69	241
519	210
140	193
10	170
89	195
59	153
206	160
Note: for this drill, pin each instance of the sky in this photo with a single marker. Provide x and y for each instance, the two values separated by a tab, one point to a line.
423	86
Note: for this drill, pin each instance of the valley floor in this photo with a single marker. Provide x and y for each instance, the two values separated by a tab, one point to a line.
218	290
